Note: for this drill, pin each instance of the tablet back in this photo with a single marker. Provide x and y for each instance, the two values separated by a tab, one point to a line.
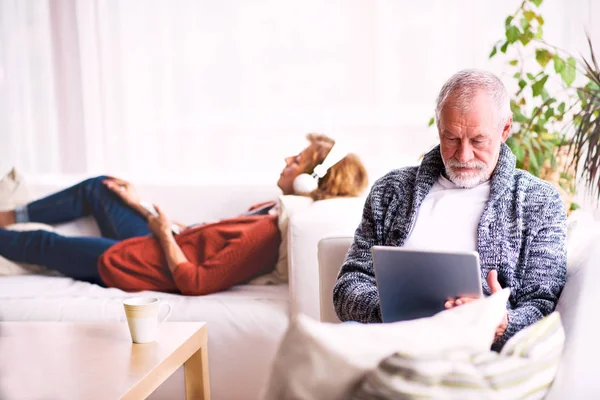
415	284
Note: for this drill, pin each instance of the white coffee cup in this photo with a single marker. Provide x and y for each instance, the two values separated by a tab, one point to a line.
142	317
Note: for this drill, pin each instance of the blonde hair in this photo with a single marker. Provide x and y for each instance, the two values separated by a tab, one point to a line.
347	178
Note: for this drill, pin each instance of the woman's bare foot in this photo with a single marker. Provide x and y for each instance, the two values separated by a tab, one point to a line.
7	218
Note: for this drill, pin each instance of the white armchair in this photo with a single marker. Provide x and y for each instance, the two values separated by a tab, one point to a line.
577	377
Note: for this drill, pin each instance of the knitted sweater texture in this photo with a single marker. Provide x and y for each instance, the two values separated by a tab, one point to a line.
521	234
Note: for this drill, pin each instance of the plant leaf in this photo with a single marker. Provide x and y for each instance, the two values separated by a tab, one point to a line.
493	53
431	121
561	107
508	21
533	163
540	32
538	87
526	37
543	57
568	73
545	95
504	47
529	15
537	2
513	62
512	34
559	64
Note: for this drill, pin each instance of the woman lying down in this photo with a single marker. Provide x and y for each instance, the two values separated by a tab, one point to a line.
139	250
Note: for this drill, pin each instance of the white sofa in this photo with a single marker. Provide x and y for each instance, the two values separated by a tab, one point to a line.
245	323
577	377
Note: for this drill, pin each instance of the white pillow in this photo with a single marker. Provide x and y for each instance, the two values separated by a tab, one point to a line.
326	361
8	267
289	205
13	190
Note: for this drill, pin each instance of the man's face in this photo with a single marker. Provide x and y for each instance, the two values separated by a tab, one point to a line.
470	141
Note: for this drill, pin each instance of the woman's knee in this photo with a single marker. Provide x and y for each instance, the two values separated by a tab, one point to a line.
95	181
94	188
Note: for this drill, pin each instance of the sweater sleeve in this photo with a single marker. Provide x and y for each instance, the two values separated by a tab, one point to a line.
544	273
355	294
238	259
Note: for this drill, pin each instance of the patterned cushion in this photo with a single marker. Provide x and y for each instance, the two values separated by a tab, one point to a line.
525	368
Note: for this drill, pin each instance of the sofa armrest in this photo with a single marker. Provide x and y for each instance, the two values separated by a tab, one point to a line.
577	376
324	218
332	253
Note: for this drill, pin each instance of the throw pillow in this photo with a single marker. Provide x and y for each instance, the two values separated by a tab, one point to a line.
311	350
525	368
9	268
289	205
13	190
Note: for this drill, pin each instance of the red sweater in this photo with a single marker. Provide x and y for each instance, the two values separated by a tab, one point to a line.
221	255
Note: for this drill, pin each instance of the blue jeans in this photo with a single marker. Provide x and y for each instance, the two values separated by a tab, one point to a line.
76	257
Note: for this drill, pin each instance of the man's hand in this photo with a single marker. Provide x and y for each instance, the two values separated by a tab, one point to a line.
492	280
160	225
125	190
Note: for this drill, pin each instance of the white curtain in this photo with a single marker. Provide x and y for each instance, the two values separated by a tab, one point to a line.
220	91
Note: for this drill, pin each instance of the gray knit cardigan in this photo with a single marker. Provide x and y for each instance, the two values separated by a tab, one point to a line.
521	234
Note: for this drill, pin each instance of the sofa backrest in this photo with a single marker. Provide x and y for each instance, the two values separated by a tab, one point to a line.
326	218
185	203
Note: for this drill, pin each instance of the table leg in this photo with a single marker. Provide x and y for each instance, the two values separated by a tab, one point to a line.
197	384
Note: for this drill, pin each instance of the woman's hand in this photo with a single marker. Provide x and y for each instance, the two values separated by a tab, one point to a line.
160	225
125	190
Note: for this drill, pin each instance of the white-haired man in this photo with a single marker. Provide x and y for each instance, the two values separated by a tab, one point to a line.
466	195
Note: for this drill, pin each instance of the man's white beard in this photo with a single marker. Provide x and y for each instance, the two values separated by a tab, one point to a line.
467	180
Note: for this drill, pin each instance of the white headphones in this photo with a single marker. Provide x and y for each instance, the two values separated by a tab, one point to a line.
307	183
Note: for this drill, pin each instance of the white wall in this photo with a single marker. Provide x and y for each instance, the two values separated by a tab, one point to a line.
205	91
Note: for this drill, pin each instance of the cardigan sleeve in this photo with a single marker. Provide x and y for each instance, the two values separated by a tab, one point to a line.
234	259
544	273
355	294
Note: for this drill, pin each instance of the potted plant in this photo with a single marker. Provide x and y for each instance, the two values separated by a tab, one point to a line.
555	106
557	116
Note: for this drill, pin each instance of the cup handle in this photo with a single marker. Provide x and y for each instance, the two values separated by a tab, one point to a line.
167	315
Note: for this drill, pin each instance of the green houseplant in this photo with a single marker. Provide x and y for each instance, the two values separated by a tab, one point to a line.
555	105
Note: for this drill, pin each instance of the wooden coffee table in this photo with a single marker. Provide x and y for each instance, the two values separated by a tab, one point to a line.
63	360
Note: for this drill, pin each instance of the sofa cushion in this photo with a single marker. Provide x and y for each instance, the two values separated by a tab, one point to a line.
13	190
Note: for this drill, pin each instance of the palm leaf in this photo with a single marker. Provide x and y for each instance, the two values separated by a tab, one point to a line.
585	144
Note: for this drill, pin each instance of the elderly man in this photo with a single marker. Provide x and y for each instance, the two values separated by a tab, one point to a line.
466	195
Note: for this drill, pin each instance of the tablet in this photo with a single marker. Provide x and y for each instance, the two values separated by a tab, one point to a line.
416	283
